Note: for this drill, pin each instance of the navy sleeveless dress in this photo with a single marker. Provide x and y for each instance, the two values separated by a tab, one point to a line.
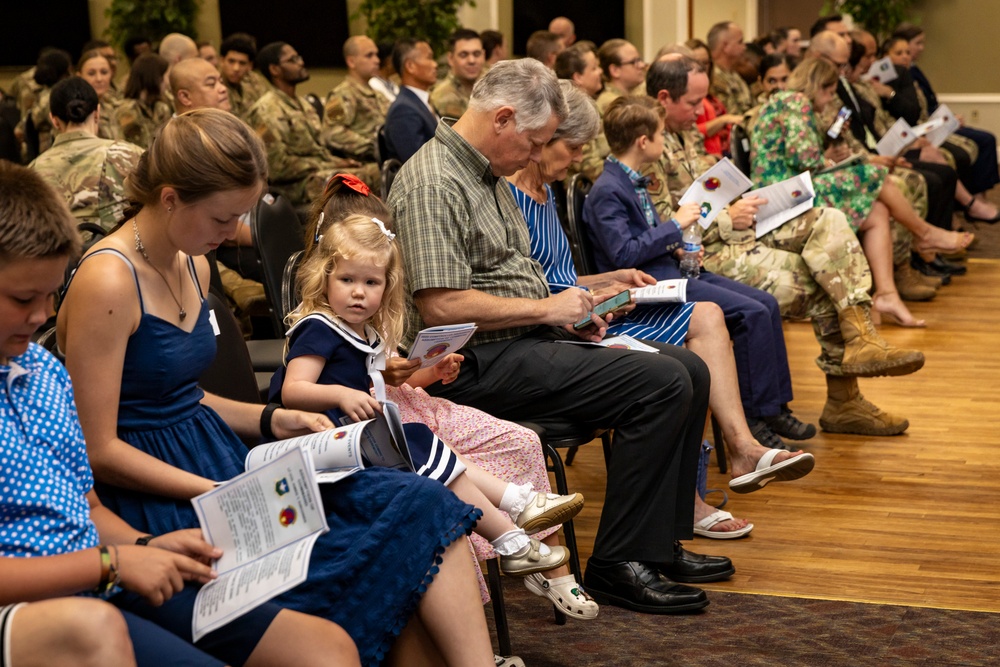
387	528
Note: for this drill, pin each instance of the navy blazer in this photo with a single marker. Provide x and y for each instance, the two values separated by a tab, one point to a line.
617	227
409	124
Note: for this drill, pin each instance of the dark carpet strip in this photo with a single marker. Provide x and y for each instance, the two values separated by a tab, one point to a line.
738	630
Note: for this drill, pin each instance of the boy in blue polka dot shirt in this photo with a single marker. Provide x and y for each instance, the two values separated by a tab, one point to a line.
56	538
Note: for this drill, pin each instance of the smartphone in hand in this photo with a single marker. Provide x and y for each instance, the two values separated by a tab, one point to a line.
615	303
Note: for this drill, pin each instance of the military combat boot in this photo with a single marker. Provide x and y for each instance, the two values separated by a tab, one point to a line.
910	286
867	354
847	411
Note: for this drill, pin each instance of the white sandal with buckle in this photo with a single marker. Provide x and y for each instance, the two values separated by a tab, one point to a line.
567	595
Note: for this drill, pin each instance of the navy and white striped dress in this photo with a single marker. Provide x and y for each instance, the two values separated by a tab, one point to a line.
665	323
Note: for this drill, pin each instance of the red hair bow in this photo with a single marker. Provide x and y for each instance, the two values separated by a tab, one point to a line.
353	182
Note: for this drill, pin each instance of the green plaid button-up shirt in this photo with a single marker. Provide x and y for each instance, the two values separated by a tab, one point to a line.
461	229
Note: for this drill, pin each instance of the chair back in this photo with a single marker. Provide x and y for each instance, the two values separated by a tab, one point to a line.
277	235
290	295
390	168
231	374
382	147
739	146
579	241
317	104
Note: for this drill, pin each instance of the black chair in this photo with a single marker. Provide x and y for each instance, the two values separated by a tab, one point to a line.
231	374
277	235
739	147
390	168
579	241
290	295
382	147
317	104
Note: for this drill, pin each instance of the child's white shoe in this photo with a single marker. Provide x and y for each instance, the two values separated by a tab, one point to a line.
567	595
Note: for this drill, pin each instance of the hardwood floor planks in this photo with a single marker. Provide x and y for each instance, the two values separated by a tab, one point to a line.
911	520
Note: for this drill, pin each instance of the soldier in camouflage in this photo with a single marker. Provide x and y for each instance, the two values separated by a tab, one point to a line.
725	42
245	86
299	164
812	264
87	171
624	71
354	110
466	59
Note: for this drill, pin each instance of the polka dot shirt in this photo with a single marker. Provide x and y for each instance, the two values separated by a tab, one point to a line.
44	473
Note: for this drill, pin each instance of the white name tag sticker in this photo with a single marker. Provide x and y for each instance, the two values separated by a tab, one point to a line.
214	322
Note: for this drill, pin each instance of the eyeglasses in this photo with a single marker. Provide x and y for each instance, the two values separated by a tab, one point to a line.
638	62
294	59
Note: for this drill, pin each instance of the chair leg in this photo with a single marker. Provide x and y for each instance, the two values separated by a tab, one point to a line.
569	531
720	445
570	455
499	612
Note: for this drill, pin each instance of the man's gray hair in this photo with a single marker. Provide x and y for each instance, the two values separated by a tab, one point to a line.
528	86
583	122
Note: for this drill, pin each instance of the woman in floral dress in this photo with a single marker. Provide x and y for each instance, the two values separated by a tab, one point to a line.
787	140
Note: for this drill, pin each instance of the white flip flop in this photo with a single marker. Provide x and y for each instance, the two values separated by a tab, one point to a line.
703	527
765	473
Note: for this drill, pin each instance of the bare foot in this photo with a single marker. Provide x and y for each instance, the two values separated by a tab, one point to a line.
703	509
743	458
892	308
936	239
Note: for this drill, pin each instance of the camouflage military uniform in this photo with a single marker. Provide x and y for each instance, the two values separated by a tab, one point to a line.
243	95
353	114
89	173
25	90
729	88
449	98
596	151
136	122
39	115
106	127
813	264
299	164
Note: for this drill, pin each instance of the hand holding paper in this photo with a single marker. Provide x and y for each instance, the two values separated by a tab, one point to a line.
785	200
715	189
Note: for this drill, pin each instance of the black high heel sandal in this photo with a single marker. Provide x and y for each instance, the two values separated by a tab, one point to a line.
971	218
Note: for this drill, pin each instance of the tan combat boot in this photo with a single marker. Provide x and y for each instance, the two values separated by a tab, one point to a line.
866	354
910	286
847	411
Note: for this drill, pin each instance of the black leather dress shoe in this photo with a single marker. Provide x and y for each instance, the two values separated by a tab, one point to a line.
695	568
927	268
947	266
640	587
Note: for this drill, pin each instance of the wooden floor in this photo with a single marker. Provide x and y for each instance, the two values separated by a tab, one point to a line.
912	519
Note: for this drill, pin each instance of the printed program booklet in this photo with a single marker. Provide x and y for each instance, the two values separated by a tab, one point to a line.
901	136
785	200
673	290
267	519
432	344
882	71
620	342
714	190
266	522
949	125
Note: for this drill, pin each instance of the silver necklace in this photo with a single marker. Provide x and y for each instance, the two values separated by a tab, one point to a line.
141	249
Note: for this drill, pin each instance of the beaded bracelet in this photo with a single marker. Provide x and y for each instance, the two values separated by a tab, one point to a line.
106	582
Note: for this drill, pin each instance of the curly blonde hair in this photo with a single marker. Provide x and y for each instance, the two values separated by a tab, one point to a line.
355	237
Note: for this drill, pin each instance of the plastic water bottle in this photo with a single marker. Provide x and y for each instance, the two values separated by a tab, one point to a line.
692	247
